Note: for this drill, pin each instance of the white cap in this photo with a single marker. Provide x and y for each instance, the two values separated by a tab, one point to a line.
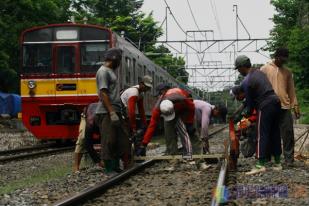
167	110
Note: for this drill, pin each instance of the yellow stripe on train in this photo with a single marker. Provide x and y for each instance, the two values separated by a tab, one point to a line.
58	87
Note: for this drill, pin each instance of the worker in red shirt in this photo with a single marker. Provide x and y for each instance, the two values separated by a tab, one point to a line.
133	97
177	109
130	98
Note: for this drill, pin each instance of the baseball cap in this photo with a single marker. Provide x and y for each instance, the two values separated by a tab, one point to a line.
241	60
167	110
147	80
113	54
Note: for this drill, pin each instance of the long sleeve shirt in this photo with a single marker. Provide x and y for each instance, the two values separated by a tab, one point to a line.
202	116
282	82
131	98
258	90
183	106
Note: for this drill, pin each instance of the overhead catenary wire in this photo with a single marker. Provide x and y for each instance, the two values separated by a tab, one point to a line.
214	11
194	19
179	26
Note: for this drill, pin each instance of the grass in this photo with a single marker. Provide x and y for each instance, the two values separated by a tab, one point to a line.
40	177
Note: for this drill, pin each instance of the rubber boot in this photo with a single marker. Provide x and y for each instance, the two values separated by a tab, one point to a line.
77	160
108	166
116	166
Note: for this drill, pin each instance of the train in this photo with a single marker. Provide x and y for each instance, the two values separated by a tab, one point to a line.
58	69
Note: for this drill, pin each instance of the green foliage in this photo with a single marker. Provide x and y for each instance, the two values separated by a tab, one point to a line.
42	176
15	17
303	100
173	65
292	31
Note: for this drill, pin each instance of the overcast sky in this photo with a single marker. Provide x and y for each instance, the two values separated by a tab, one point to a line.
216	15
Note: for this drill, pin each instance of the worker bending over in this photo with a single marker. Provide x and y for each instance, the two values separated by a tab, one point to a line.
132	98
177	109
203	113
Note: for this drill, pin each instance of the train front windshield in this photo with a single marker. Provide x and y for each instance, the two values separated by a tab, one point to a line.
64	50
37	58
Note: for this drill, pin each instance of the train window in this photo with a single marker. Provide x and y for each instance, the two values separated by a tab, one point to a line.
92	56
39	35
153	82
37	58
65	59
89	33
144	73
134	72
128	72
140	73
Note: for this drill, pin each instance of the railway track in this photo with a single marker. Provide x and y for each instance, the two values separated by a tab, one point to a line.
153	177
31	152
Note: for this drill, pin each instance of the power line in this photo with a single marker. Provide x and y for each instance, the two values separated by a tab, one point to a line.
195	22
214	11
168	7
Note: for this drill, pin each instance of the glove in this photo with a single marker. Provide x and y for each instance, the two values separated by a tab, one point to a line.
114	118
297	112
141	151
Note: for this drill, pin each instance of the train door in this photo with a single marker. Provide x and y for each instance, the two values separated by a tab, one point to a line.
65	109
66	69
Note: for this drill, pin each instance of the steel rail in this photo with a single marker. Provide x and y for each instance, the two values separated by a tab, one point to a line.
178	157
217	131
101	187
26	149
35	154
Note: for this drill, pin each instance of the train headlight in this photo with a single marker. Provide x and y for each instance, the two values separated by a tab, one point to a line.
31	84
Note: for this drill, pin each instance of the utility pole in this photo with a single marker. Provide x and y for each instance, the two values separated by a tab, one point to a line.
166	8
235	8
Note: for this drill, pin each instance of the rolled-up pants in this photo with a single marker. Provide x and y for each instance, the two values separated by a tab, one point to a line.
114	139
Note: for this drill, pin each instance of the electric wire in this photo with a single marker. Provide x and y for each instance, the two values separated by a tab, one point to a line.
168	7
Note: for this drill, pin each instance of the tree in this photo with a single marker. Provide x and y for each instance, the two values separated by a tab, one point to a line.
291	30
15	17
173	65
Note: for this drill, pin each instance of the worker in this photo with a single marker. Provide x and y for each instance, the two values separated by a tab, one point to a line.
246	126
260	96
84	143
203	112
282	82
114	134
177	109
131	98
